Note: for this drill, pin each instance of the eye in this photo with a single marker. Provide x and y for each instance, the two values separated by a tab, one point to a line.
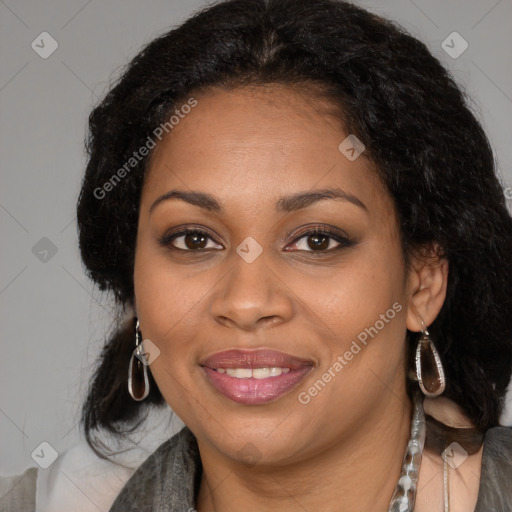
320	239
190	240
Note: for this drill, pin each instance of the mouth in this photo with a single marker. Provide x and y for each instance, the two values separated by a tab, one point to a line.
254	377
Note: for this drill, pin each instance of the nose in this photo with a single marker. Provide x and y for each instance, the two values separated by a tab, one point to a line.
251	296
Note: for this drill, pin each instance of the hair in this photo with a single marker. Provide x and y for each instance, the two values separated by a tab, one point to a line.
425	144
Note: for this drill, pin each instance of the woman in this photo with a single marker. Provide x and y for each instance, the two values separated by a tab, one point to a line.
302	217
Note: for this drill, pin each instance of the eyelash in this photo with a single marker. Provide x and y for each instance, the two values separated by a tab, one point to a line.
344	242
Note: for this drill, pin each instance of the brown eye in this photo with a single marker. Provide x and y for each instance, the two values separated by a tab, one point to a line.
195	241
190	240
321	240
318	242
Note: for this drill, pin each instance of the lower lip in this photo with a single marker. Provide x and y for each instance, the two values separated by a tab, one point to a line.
253	391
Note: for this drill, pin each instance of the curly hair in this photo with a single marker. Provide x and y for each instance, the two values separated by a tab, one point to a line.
425	144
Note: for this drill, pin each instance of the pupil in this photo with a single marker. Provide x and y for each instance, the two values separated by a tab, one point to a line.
317	244
192	239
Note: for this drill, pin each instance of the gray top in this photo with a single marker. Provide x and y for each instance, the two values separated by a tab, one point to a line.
168	481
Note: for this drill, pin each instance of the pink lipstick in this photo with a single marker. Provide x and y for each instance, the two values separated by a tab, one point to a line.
254	377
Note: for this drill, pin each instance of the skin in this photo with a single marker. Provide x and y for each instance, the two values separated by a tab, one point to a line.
248	147
464	479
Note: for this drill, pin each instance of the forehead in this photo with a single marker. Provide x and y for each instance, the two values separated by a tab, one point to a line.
255	143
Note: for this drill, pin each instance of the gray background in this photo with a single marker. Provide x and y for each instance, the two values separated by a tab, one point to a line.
52	319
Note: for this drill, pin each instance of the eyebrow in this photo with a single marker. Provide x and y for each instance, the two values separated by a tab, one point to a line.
287	203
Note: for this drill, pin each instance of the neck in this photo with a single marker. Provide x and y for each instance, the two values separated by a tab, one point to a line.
356	472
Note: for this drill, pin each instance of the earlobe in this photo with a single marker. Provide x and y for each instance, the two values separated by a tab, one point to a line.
427	284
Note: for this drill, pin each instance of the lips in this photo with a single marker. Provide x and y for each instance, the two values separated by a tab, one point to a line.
236	358
273	374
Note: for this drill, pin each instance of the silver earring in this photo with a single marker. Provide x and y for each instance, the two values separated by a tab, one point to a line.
429	369
138	383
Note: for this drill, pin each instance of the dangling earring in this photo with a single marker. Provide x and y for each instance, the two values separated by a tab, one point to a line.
138	383
429	369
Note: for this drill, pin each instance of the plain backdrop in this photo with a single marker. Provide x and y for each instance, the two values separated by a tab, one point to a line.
52	319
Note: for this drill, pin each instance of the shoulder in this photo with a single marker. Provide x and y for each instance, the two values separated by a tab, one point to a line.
495	491
497	456
18	493
168	478
498	439
81	481
77	480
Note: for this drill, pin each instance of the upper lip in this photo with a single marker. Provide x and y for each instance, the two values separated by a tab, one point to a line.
255	358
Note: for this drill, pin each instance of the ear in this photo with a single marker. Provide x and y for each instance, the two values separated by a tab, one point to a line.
427	281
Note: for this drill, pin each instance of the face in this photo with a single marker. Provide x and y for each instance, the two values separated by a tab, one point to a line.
274	251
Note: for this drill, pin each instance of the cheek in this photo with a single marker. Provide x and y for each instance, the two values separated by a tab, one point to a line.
355	295
164	302
363	350
362	307
165	296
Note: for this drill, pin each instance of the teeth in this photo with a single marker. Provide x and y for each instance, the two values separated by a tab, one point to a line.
261	373
256	373
239	373
274	372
